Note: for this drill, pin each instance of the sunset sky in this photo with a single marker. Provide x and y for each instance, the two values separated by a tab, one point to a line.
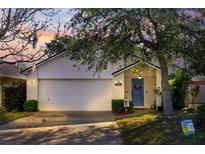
62	17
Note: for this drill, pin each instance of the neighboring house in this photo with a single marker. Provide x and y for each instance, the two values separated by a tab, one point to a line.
59	86
9	76
200	98
198	80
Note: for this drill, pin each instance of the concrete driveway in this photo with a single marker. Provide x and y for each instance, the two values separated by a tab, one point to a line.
62	128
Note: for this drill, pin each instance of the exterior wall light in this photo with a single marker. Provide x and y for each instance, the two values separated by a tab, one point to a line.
32	82
118	83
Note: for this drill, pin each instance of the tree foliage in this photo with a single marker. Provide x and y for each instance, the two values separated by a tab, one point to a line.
119	34
193	49
57	45
19	32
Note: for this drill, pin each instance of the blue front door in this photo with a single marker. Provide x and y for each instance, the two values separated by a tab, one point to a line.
138	92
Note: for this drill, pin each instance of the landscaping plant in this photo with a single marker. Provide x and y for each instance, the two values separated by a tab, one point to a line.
31	105
194	91
199	116
178	83
118	107
14	98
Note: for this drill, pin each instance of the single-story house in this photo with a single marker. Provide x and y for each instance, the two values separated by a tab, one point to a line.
59	86
10	75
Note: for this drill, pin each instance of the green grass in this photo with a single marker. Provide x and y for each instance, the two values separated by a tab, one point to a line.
6	117
149	129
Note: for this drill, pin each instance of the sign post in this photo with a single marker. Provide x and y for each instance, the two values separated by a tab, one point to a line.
126	105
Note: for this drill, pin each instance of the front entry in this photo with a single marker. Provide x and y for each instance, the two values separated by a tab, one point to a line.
138	92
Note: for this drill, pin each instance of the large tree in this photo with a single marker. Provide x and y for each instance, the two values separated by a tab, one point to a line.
99	36
20	29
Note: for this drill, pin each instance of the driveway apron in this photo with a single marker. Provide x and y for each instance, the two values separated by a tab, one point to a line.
62	128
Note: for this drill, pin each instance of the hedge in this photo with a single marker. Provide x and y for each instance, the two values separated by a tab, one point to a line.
14	97
31	105
118	106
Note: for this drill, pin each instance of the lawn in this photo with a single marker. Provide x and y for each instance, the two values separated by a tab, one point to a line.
6	117
151	129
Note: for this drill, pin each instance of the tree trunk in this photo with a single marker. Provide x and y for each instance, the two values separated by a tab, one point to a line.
166	95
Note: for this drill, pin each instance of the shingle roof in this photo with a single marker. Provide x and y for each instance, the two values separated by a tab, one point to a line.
8	70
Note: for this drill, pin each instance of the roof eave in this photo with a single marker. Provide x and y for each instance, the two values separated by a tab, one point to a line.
131	65
42	62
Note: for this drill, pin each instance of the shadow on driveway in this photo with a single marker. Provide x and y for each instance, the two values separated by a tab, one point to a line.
45	119
98	133
82	128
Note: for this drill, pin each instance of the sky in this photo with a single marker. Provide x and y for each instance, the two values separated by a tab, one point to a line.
62	17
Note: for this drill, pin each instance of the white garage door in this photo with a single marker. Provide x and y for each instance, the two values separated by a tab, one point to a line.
75	95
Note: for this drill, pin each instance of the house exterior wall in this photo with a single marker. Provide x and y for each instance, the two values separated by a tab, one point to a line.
32	85
148	74
63	68
201	96
68	81
119	91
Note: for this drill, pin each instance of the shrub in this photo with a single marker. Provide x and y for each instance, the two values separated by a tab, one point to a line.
194	91
118	106
14	98
2	109
31	105
188	110
178	84
199	116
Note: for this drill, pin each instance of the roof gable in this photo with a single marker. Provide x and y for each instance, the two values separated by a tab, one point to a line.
42	62
132	65
61	67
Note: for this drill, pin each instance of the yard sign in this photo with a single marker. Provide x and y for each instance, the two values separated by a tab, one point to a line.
126	102
188	127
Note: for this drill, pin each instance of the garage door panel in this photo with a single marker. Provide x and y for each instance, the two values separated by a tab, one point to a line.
75	95
76	101
75	107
